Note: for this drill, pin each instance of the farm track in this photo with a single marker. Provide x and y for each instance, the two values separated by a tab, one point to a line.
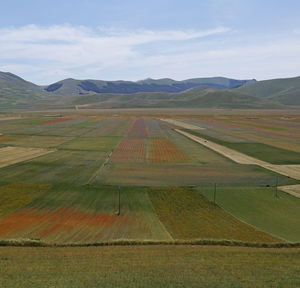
12	155
293	190
183	124
292	171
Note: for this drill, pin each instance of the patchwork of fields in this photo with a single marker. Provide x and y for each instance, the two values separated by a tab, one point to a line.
60	178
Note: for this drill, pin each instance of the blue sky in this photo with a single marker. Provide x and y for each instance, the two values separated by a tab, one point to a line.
46	41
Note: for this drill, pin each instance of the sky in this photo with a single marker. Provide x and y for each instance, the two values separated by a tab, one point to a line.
47	41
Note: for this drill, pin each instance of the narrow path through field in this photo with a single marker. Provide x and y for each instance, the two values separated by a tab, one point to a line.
182	124
292	171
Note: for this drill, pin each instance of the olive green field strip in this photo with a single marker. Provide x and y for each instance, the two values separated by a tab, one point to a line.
85	215
275	212
16	196
188	215
33	141
62	166
292	171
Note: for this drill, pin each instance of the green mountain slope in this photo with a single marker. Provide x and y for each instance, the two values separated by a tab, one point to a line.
285	91
193	98
216	92
16	92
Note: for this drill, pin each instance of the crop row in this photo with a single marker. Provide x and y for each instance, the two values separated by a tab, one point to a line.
153	129
163	150
130	150
67	224
137	129
188	215
56	121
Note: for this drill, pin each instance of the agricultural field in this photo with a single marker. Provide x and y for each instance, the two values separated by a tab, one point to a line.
260	207
85	215
188	215
12	155
70	194
149	266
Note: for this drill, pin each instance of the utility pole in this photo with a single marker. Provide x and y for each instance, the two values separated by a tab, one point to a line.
276	189
215	193
119	212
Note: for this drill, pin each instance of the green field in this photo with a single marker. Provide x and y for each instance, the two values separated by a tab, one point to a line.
188	215
260	151
259	207
59	167
92	144
149	266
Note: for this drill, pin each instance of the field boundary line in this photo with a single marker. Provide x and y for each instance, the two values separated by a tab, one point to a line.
292	171
182	124
127	242
95	174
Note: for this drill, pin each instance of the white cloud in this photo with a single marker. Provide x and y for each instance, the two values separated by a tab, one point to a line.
67	47
47	54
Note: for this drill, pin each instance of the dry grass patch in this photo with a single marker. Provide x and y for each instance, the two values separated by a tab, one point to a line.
12	155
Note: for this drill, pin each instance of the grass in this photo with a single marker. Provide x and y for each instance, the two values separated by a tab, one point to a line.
261	151
188	215
35	121
16	196
73	167
92	143
164	174
71	214
149	266
33	140
196	153
257	125
258	206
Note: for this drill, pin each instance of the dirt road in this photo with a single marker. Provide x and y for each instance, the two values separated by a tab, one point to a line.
292	171
182	124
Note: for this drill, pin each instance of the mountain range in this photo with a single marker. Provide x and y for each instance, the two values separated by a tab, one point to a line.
214	92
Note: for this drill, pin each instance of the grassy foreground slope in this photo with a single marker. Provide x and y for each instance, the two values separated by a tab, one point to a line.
149	266
258	206
285	91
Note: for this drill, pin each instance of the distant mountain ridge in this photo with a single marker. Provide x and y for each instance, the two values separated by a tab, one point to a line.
214	92
79	87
